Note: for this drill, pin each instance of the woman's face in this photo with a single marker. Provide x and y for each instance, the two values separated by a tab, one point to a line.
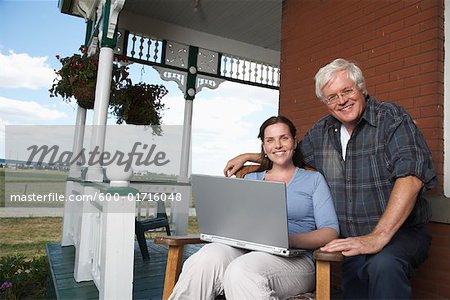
279	144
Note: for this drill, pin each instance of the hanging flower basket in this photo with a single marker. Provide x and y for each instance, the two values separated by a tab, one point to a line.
138	104
77	78
85	95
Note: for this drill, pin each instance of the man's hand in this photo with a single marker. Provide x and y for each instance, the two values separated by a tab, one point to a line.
366	244
237	162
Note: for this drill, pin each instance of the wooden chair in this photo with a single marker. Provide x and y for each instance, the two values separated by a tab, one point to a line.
176	248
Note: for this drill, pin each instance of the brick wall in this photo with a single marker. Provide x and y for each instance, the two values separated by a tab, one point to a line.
397	44
399	47
432	279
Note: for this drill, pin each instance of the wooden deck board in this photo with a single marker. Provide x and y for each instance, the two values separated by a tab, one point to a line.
148	275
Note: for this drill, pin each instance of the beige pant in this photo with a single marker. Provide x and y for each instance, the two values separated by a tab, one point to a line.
243	275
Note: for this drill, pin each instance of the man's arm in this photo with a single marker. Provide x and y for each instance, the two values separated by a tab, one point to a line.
401	202
237	162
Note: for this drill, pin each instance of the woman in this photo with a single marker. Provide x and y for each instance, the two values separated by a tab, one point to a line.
312	222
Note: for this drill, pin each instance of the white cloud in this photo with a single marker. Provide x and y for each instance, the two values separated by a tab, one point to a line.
18	111
24	71
225	123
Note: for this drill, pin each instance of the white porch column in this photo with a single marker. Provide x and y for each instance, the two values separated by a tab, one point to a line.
80	125
102	94
70	207
186	142
180	209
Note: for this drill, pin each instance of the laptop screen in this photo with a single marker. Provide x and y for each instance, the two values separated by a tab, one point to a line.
247	210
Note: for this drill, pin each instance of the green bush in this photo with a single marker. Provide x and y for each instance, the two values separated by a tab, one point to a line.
28	277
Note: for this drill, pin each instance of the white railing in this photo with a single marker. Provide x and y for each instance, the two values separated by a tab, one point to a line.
101	228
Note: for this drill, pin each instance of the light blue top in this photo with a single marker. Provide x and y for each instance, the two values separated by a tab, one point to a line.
309	202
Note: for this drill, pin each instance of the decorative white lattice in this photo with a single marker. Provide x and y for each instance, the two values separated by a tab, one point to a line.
177	54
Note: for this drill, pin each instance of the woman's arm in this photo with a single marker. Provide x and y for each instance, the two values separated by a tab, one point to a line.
313	239
324	216
237	162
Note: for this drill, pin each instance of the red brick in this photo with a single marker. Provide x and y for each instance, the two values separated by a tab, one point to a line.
387	48
426	101
407	11
390	66
402	43
404	31
425	5
431	66
434	23
390	10
389	86
378	79
430	122
376	25
431	111
421	58
375	43
404	72
376	61
394	27
373	6
421	79
404	102
421	17
404	53
405	93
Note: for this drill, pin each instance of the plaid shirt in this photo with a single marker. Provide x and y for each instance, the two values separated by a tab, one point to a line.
385	145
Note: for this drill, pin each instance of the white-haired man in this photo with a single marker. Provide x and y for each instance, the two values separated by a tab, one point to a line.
377	165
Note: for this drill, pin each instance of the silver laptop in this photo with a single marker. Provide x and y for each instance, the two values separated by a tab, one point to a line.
249	214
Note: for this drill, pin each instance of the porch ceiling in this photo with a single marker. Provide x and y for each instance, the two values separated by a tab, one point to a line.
254	22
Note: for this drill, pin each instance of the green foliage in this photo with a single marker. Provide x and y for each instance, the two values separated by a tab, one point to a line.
138	104
78	76
27	276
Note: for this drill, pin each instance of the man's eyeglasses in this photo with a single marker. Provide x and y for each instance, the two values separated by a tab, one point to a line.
347	92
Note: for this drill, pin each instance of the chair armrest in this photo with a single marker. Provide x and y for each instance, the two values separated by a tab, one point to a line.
246	169
180	240
323	272
328	256
174	258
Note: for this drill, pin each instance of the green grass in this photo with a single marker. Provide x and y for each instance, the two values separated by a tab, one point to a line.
28	236
20	182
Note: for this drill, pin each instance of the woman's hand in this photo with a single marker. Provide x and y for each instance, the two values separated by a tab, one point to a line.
237	162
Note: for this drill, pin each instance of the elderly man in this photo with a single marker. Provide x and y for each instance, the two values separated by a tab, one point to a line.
377	165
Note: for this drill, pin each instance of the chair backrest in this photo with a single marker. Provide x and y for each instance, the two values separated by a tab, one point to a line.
245	170
146	209
252	168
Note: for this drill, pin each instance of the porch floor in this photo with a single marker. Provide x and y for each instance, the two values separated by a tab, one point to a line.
148	275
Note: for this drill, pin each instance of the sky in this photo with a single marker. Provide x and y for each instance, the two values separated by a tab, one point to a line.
225	120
